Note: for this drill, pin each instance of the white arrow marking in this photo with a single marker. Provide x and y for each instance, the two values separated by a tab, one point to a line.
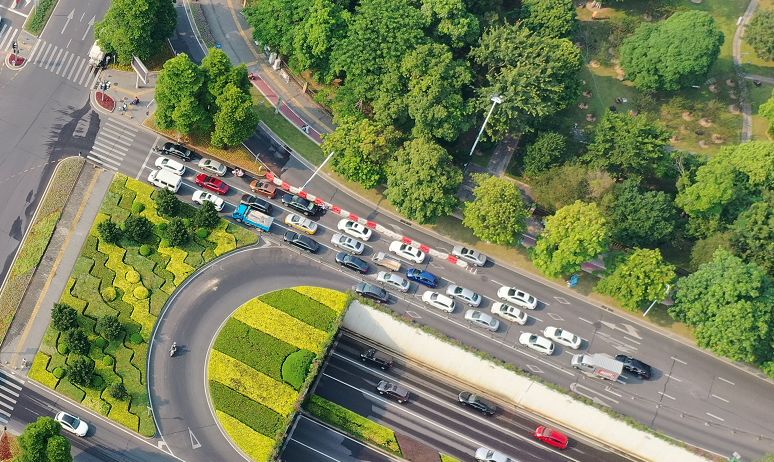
625	328
69	18
194	442
91	23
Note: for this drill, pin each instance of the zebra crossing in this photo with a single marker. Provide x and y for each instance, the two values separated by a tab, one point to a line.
112	144
10	388
7	36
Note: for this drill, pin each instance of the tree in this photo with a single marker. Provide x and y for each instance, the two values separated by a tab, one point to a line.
166	202
118	391
177	232
642	277
181	97
109	231
135	28
627	145
534	76
672	54
80	371
760	34
138	228
216	67
639	218
546	152
236	120
574	235
729	303
77	340
435	99
549	18
362	149
450	22
766	110
752	235
110	327
323	26
64	317
704	249
422	181
274	22
41	442
560	186
206	216
498	213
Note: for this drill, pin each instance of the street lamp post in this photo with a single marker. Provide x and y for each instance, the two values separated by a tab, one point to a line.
496	99
666	293
318	169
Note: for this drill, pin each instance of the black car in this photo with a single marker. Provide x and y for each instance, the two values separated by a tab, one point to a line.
301	241
476	402
377	357
392	390
177	151
352	262
635	366
256	203
304	206
371	291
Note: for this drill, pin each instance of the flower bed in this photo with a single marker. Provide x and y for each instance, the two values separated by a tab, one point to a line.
264	359
116	279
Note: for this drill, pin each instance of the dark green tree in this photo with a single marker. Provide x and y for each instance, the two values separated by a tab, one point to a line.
422	181
498	214
324	25
110	327
760	34
64	317
704	249
182	96
118	391
549	18
41	441
450	22
136	28
166	202
206	216
236	120
752	235
641	278
672	54
109	231
275	21
77	340
546	152
216	67
58	449
766	110
138	228
80	371
639	218
177	232
561	186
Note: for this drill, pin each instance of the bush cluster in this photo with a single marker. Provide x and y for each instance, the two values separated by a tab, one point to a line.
296	367
257	349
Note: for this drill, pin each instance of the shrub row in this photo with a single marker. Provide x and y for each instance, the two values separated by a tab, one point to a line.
296	367
251	413
336	300
254	444
304	308
39	19
281	325
257	349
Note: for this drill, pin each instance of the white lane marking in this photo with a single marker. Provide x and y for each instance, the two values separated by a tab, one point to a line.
12	381
722	399
496	282
315	450
34	49
666	396
715	417
333	430
632	340
76	64
610	390
585	320
8	398
726	380
8	390
195	444
678	360
43	55
672	377
150	153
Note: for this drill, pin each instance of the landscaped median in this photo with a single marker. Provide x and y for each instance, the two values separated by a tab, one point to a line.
130	280
264	359
40	15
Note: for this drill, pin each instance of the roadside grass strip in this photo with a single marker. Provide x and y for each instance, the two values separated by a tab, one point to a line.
303	308
448	458
354	424
333	299
254	444
114	279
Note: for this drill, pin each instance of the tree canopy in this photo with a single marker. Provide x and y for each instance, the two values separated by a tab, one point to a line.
752	235
41	441
766	110
760	34
236	119
274	21
639	218
547	151
642	277
135	28
560	186
498	214
672	54
180	96
324	25
549	18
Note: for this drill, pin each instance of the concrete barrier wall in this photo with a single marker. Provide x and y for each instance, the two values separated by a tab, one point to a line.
511	387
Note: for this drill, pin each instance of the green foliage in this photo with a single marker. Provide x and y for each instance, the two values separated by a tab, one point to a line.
322	27
752	235
576	234
217	73
202	233
672	54
545	153
760	34
145	250
42	12
766	110
108	293
181	97
136	338
274	21
422	181
137	207
251	413
206	217
550	18
132	276
362	149
58	449
138	228
97	382
64	317
535	76
109	232
59	372
62	348
177	232
80	370
166	202
303	308
639	218
34	441
626	145
641	278
296	367
108	360
561	186
141	293
118	391
77	341
236	120
110	327
136	28
450	22
498	213
253	347
729	303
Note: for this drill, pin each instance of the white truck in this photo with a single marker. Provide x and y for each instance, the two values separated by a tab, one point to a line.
598	365
96	55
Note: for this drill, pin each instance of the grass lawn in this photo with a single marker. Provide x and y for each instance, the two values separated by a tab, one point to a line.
126	281
750	61
758	96
155	63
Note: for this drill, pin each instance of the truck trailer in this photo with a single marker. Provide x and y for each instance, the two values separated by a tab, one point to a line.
598	365
251	217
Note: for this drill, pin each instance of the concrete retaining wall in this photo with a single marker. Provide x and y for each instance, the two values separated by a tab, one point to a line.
508	386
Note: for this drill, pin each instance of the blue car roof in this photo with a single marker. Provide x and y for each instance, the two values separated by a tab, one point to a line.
421	273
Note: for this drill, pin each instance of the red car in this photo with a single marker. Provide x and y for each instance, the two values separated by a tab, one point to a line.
215	185
553	437
264	188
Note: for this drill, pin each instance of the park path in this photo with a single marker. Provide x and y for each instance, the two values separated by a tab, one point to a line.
737	52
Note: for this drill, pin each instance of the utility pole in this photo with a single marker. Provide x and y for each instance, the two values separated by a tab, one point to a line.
496	99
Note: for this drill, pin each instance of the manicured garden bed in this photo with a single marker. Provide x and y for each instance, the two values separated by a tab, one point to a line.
130	281
265	358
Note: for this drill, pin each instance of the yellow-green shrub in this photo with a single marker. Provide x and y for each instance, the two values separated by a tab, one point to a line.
257	446
281	325
334	299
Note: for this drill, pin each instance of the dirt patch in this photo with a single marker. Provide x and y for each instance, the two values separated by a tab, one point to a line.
416	451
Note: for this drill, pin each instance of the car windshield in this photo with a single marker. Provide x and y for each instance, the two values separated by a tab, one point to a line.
71	421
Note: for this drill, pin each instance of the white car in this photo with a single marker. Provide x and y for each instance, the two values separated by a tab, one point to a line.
511	313
354	229
563	337
517	297
440	301
72	424
348	243
482	320
471	256
537	343
165	163
200	197
212	166
407	251
394	280
466	295
490	455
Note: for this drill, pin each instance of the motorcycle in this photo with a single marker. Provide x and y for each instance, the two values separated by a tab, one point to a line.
173	349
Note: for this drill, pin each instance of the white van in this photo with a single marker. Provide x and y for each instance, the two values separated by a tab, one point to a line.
165	179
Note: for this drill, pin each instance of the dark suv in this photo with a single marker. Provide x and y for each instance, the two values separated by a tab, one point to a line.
392	390
377	357
373	292
177	150
476	402
304	206
635	366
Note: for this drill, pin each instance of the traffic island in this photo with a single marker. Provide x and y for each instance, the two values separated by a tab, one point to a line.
16	61
105	101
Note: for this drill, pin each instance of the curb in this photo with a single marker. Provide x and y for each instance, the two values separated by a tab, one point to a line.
13	67
95	105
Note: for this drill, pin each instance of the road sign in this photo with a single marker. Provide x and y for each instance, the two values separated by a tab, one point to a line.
141	70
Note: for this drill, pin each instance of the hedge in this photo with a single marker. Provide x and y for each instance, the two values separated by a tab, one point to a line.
296	367
334	299
254	444
448	458
40	16
304	308
257	349
256	416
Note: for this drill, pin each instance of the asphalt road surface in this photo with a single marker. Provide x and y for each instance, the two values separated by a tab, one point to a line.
312	442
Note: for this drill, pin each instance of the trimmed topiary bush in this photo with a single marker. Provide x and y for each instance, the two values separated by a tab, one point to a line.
202	233
109	231
146	250
162	227
166	202
138	228
296	367
63	348
141	293
77	340
137	207
110	327
132	276
108	360
136	338
109	294
177	232
97	381
59	372
80	371
100	342
206	216
64	317
118	391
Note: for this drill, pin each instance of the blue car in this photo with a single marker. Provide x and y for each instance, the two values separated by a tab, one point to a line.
422	277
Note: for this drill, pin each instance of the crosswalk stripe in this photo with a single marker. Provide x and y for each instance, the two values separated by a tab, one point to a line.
10	42
113	142
124	126
54	59
50	58
107	152
65	64
4	412
4	404
8	398
8	390
34	49
102	163
43	54
76	62
60	58
117	136
10	382
84	80
105	157
3	30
